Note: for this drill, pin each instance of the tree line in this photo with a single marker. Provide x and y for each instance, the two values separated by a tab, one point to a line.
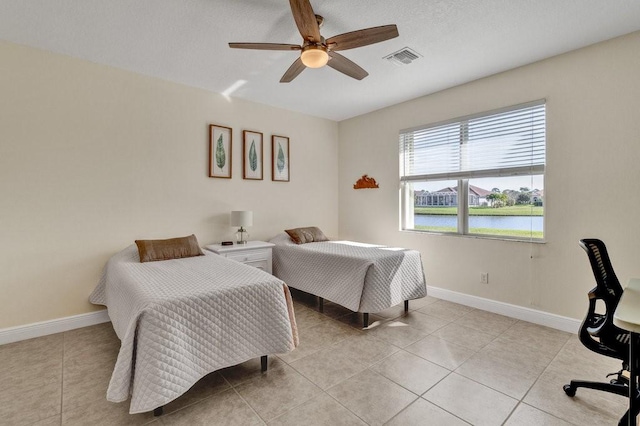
509	197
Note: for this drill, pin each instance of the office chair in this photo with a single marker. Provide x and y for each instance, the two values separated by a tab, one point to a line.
597	332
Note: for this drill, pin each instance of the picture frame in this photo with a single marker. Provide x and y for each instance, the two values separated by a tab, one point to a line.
279	158
220	151
252	155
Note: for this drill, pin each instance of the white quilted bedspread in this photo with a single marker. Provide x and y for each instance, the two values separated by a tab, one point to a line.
360	277
179	320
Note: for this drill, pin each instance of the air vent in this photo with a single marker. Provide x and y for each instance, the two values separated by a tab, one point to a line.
403	56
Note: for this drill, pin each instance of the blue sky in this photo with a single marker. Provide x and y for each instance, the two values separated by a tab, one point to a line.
513	182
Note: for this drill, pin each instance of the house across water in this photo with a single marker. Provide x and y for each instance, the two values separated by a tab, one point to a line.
448	197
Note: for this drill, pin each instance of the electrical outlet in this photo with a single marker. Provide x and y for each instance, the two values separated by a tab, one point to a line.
484	278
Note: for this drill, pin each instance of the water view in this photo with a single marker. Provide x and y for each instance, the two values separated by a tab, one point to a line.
523	223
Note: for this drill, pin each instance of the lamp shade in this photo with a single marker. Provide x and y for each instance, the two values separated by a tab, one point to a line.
241	218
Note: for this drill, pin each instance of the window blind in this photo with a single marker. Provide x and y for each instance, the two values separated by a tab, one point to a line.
507	142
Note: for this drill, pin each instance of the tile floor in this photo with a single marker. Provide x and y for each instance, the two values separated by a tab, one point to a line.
440	364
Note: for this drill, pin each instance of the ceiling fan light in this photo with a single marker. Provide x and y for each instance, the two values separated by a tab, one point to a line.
314	56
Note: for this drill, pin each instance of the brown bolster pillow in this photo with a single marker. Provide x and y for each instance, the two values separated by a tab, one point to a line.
173	248
310	234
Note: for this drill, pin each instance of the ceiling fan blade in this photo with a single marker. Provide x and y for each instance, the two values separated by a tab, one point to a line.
296	68
362	37
265	46
346	66
305	20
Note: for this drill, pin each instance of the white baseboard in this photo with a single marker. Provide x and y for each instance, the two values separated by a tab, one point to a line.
29	331
38	329
526	314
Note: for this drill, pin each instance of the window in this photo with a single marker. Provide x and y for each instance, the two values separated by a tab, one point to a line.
497	159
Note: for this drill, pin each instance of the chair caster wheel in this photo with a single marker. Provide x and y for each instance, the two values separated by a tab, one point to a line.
570	391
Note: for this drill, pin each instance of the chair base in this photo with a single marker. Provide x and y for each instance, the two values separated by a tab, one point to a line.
614	387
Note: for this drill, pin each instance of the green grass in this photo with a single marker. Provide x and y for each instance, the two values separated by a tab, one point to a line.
436	228
518	210
485	231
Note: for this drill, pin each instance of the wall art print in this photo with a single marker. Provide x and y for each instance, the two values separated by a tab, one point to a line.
251	155
220	147
279	158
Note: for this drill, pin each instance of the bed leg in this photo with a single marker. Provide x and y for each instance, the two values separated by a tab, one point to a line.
321	304
365	320
158	411
406	306
263	363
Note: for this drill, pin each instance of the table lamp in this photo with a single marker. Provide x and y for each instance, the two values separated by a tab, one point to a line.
242	218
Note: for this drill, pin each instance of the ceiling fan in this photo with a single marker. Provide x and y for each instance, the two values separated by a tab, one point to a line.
317	52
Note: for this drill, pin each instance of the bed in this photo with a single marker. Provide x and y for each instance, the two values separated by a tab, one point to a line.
361	277
180	319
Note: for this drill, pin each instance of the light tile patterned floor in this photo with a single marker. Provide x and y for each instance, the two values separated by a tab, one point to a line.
440	364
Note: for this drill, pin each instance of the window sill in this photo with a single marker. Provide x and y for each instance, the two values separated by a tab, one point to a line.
478	236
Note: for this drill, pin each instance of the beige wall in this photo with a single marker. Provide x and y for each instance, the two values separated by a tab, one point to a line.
591	186
92	158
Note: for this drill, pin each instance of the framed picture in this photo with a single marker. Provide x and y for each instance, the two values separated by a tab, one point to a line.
251	155
220	148
280	158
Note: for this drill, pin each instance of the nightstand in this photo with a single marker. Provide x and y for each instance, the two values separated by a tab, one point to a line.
254	253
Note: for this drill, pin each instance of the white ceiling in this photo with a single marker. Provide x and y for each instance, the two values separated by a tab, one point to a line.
186	41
